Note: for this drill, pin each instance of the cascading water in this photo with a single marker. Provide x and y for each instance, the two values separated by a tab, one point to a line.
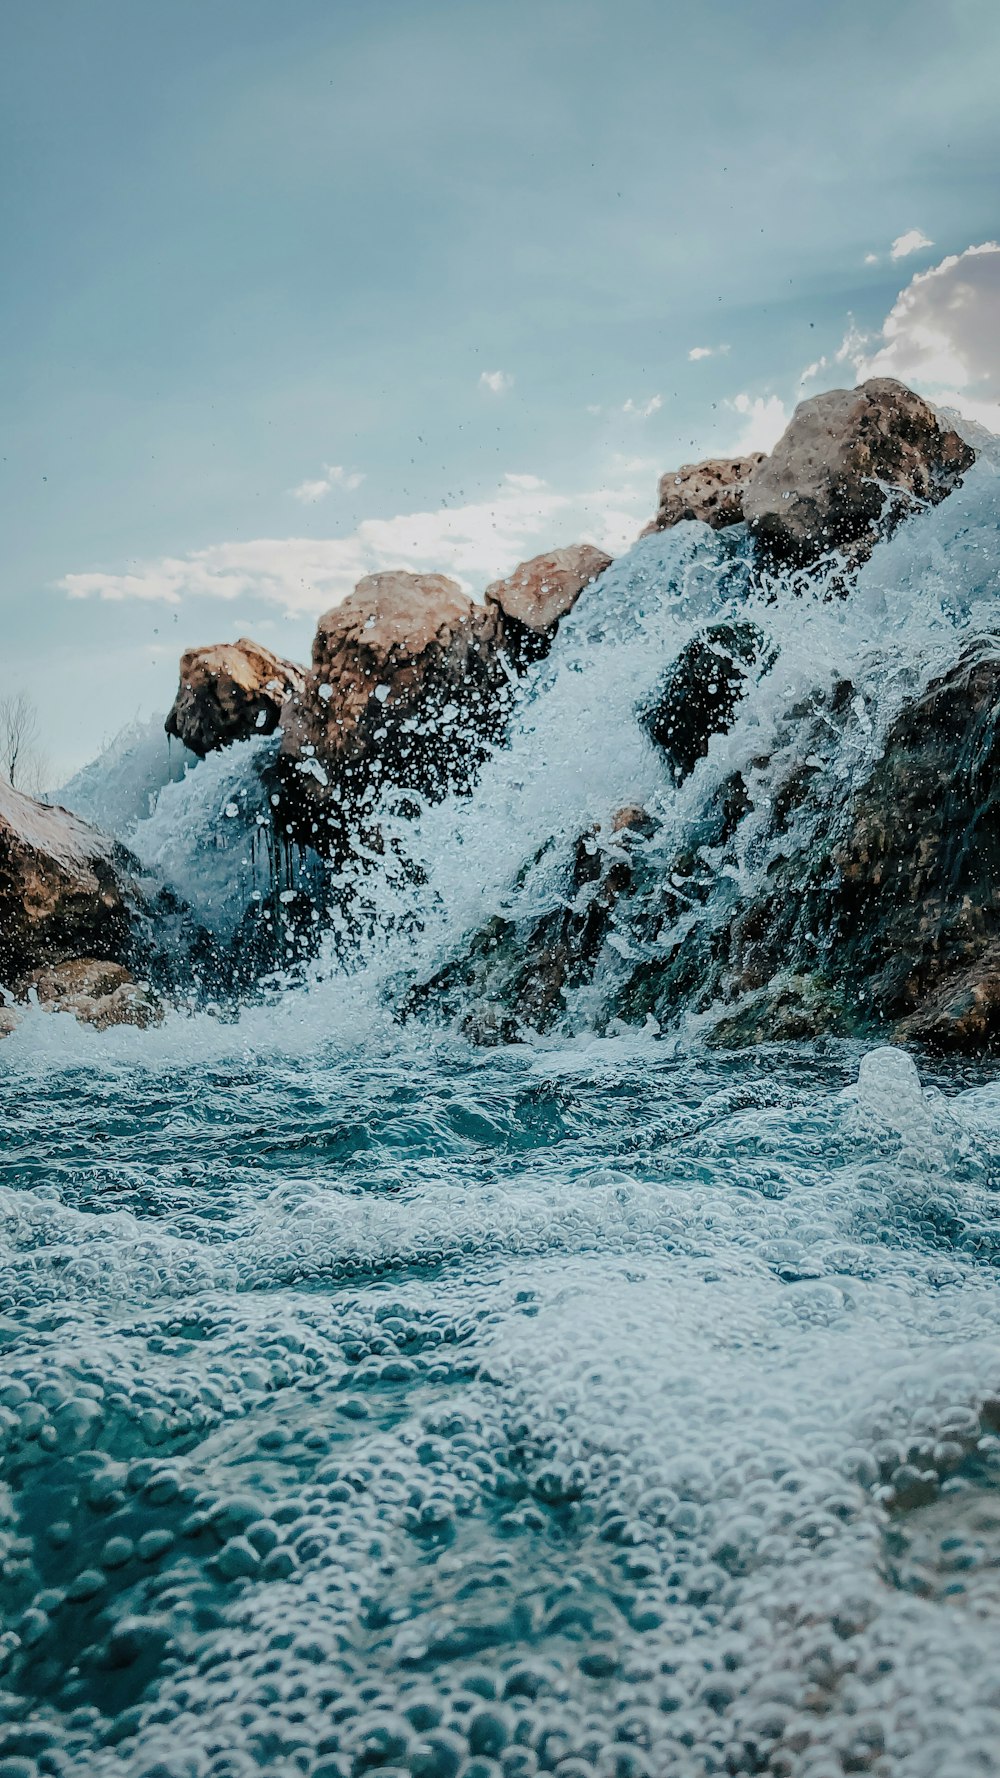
371	1403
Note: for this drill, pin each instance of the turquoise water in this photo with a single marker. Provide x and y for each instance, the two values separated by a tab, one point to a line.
595	1406
582	1409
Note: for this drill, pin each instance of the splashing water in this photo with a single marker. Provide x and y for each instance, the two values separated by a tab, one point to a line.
598	1406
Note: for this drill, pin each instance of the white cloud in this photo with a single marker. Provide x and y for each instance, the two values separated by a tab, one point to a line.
475	543
813	370
911	242
941	335
497	381
643	409
334	476
764	420
871	259
698	352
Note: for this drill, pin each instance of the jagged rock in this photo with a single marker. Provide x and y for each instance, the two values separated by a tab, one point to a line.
96	993
66	890
540	592
856	904
407	687
699	696
230	692
711	491
515	977
849	466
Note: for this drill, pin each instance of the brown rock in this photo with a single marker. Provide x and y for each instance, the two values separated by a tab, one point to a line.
229	693
851	464
97	993
406	683
540	592
66	890
711	491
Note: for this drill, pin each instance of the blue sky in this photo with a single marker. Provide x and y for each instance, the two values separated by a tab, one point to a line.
290	291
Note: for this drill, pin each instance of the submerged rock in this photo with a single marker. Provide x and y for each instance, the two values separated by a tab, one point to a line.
406	687
230	692
850	465
532	600
66	890
711	492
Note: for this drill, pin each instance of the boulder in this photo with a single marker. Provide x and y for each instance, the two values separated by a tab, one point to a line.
711	491
96	993
699	696
532	600
66	890
850	465
228	693
407	687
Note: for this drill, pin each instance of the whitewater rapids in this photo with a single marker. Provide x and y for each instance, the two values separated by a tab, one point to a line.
370	1404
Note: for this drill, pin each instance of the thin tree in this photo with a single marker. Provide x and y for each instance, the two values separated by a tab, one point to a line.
22	760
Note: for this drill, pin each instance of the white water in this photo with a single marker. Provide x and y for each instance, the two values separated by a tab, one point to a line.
371	1404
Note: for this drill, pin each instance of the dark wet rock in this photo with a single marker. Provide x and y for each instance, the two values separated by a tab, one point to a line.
850	465
230	692
699	696
858	901
66	890
531	601
516	976
407	688
711	492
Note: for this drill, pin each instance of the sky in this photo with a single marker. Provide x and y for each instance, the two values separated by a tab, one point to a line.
294	292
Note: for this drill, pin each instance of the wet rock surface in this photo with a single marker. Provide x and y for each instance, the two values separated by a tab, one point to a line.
699	696
851	464
711	492
228	693
66	890
406	688
532	600
96	993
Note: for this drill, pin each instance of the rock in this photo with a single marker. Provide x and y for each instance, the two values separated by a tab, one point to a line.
711	491
9	1020
516	976
699	696
540	592
850	465
407	687
66	890
229	693
97	993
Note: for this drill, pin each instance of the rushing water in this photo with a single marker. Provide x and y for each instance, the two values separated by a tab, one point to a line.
597	1406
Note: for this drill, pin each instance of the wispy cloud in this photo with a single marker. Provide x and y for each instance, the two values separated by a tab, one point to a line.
643	409
912	242
496	381
698	352
475	543
334	476
763	420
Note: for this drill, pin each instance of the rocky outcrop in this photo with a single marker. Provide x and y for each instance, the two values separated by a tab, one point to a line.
851	464
66	890
856	906
711	492
515	978
532	600
407	687
229	693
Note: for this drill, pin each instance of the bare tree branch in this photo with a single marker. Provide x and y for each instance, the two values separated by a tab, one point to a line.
22	759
